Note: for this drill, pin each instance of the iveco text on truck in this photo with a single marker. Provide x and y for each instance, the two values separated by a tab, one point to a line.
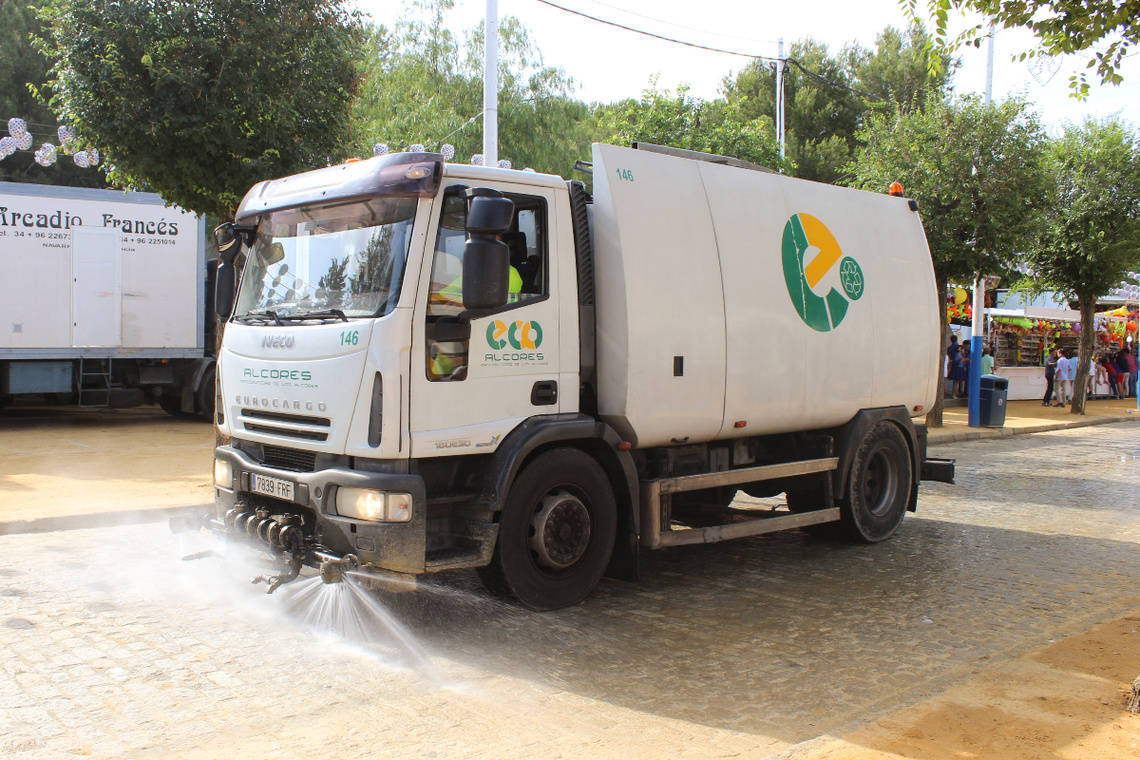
432	366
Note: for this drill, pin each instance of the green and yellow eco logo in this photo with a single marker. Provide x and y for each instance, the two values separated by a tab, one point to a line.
804	235
519	334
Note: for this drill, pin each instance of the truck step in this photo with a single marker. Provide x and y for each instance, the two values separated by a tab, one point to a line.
453	559
759	526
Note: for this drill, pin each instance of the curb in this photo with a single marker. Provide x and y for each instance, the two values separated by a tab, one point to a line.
1008	432
94	520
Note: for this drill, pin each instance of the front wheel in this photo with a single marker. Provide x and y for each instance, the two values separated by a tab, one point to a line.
879	485
556	532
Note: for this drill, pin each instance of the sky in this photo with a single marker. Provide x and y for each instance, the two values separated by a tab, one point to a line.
610	64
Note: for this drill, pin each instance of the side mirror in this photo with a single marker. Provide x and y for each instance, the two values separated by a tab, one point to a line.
486	260
225	238
224	282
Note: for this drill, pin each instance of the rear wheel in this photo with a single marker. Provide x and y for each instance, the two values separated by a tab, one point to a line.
171	403
556	532
879	485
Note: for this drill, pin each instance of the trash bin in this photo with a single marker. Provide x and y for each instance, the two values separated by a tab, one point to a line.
991	400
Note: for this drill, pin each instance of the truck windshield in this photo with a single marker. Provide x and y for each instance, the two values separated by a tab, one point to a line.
344	260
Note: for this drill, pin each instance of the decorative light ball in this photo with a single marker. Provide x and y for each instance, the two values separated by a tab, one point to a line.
66	134
528	169
24	142
416	148
504	163
477	159
48	151
448	151
93	156
7	146
380	149
81	159
17	128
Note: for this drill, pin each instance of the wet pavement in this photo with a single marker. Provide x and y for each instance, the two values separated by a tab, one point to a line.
112	647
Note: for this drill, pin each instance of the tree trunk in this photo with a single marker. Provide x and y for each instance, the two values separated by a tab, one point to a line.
1080	385
934	416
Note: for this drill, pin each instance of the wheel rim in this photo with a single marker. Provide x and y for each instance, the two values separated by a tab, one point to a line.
880	481
559	530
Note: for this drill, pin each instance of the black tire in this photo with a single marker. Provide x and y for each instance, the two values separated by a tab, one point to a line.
878	487
171	403
206	397
568	494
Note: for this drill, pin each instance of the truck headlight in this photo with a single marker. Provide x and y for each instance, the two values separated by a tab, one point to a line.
375	506
223	474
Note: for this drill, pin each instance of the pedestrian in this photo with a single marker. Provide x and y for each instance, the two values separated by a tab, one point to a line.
954	365
1050	372
1073	360
1062	378
987	361
1130	362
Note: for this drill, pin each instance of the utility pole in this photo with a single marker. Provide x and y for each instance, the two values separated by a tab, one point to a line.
974	379
491	85
780	98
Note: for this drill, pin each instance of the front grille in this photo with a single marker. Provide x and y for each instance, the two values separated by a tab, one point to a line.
298	426
290	459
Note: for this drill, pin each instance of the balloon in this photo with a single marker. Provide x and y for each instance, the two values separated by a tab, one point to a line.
960	295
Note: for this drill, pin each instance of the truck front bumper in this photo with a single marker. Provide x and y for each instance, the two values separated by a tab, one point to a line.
399	547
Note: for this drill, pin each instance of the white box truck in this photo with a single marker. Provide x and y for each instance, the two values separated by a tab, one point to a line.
106	300
433	366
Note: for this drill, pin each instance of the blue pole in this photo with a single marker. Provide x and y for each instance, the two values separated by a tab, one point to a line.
974	378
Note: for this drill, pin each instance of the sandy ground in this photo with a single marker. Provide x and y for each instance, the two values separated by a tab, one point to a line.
57	463
1066	701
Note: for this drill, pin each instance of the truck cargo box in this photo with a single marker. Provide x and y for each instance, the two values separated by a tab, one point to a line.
734	302
98	273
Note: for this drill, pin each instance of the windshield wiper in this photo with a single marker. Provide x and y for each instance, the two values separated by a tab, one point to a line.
325	314
261	315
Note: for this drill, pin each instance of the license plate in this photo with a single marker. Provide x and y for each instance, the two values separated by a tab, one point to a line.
275	487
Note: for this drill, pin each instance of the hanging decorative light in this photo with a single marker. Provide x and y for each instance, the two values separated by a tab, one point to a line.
504	163
81	159
7	146
528	169
24	141
447	150
17	128
45	156
380	149
66	134
477	159
416	148
93	156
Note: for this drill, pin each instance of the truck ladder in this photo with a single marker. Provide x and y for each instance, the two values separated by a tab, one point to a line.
99	375
656	535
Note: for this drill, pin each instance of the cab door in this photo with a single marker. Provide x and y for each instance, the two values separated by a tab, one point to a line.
466	394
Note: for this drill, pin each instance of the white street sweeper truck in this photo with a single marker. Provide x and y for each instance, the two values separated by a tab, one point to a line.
430	366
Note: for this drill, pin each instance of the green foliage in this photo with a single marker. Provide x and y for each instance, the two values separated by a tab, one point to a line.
200	99
1062	26
825	109
681	121
422	85
976	170
1092	231
23	70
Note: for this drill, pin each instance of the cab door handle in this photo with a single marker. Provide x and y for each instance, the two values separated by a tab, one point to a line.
544	393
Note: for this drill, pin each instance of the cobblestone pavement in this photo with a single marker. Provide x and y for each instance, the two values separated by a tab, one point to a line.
112	647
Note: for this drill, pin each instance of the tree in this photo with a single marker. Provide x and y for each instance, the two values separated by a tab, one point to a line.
23	71
424	86
682	121
1092	230
822	112
198	100
1062	26
827	97
978	174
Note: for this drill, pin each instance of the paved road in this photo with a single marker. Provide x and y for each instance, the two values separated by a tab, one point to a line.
111	647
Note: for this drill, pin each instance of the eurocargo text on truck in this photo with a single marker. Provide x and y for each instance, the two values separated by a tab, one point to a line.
109	300
432	366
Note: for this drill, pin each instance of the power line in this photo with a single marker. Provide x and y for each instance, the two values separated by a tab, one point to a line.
656	36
